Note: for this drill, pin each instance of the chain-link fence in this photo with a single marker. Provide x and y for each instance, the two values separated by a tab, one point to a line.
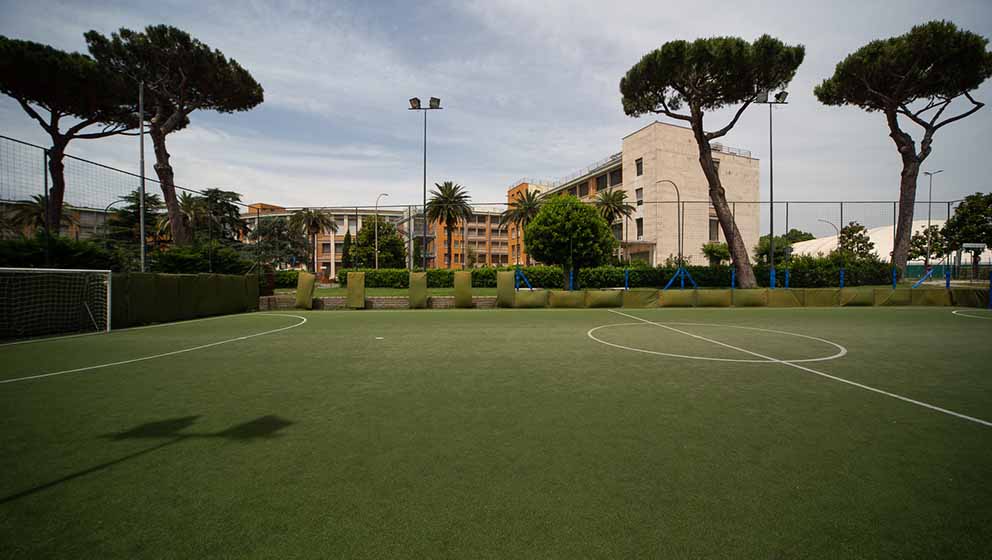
101	205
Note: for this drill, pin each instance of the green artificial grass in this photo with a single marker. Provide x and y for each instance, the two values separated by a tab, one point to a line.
503	434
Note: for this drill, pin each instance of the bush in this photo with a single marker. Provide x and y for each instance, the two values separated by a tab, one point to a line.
62	252
214	258
287	278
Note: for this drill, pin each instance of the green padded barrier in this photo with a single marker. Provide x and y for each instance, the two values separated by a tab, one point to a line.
418	290
463	288
970	297
564	298
305	283
167	298
528	298
142	308
888	296
640	298
233	294
189	285
251	292
713	298
931	296
822	297
504	288
356	290
784	297
119	301
677	298
859	296
751	297
604	298
215	294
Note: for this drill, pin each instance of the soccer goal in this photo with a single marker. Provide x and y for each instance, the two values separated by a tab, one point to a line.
45	302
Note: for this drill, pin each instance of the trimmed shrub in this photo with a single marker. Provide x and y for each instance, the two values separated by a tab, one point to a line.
286	278
62	253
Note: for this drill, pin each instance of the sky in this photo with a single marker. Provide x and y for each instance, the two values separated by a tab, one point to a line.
529	89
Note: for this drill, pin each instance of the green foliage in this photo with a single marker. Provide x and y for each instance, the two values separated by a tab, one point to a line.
570	234
933	61
124	222
971	223
449	204
277	243
205	257
287	278
346	259
931	237
781	243
854	243
31	216
717	253
311	222
392	250
807	271
708	74
62	252
613	205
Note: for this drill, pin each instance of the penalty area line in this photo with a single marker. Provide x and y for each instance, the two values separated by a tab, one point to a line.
165	354
815	372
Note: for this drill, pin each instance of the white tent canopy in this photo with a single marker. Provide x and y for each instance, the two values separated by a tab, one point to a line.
882	237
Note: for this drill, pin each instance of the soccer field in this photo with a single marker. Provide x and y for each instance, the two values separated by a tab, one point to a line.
550	433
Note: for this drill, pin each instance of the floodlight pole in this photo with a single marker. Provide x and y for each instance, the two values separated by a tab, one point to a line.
435	104
766	99
929	209
678	215
141	197
377	228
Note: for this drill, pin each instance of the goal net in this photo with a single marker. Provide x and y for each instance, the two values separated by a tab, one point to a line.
44	302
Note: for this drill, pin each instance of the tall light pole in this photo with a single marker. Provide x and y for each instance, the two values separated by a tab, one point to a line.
929	207
779	99
433	104
377	229
141	197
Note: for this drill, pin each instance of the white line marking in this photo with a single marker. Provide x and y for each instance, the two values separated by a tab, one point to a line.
813	371
841	351
173	353
959	313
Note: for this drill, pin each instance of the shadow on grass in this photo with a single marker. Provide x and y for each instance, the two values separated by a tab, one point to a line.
171	430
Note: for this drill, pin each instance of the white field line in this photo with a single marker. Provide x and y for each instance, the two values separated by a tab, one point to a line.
959	313
165	354
813	371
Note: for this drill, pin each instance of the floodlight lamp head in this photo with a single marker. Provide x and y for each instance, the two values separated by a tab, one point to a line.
781	96
414	102
435	103
762	97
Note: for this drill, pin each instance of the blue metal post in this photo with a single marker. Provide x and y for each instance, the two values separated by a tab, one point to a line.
733	278
571	279
947	278
626	279
516	279
787	278
771	278
990	289
895	276
681	279
842	278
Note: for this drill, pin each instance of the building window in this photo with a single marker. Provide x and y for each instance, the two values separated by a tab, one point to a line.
616	177
639	195
714	229
639	163
618	230
601	182
574	191
584	188
324	247
640	228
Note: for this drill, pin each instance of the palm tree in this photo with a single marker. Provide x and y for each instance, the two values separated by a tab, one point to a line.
521	211
311	222
449	203
193	211
612	205
30	215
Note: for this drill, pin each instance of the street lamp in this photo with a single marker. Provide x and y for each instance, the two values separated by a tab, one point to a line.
779	99
835	227
377	229
678	215
929	207
433	104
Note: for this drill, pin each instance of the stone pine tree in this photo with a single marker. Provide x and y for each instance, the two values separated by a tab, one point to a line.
684	80
913	78
71	96
181	75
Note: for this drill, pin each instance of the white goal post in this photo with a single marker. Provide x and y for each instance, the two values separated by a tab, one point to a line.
53	301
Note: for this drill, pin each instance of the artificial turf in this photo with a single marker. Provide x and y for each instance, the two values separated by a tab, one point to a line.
503	434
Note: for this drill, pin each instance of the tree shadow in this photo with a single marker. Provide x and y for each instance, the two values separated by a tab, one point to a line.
172	432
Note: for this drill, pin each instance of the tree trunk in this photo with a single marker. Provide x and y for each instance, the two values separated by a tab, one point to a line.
56	191
180	233
907	191
718	196
451	259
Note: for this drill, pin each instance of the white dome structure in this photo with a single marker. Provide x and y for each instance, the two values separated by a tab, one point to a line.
881	236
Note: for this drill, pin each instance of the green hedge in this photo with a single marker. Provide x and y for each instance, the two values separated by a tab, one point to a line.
142	298
287	278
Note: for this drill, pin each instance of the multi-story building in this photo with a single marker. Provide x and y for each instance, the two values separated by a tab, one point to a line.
478	241
650	156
